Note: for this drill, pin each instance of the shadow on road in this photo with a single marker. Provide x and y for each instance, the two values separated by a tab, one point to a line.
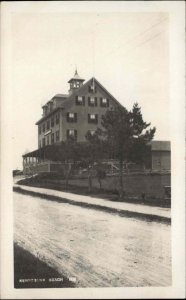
30	272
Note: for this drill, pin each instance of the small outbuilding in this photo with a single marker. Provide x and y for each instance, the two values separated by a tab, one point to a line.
161	155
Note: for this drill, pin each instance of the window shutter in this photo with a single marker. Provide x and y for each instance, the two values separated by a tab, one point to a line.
101	101
107	102
67	133
75	134
88	100
96	118
96	102
75	117
83	100
88	118
67	117
76	99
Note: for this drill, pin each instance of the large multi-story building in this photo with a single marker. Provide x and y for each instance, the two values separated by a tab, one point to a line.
68	116
73	114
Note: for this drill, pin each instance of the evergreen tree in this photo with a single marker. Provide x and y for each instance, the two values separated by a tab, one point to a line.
126	135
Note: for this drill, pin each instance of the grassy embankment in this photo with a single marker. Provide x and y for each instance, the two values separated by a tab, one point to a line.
141	189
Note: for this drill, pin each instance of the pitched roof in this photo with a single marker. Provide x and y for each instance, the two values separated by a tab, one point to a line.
76	77
86	84
66	98
160	146
61	96
48	115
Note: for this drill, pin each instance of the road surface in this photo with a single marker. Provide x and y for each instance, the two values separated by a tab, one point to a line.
97	248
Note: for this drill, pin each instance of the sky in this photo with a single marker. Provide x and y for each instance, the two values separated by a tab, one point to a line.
128	53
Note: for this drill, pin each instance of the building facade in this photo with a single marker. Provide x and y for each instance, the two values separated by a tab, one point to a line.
72	115
68	116
161	156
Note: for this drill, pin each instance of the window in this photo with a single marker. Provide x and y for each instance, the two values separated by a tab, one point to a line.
52	121
104	102
39	128
43	127
51	106
45	110
48	124
43	141
71	117
92	89
92	118
92	132
72	134
57	118
52	138
48	140
92	101
57	136
80	100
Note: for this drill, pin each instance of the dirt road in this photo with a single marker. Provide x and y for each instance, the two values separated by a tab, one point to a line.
98	248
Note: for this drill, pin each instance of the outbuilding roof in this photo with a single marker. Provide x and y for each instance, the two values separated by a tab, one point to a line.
160	146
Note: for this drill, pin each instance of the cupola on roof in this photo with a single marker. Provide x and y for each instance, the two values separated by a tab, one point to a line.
76	77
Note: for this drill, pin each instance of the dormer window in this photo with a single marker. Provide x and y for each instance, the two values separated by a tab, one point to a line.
80	100
51	106
104	102
45	110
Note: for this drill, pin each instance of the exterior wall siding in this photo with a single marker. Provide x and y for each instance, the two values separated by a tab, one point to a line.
52	129
82	125
161	160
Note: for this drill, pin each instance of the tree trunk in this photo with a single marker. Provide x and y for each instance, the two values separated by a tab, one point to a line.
100	183
68	170
66	182
121	178
89	183
90	179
